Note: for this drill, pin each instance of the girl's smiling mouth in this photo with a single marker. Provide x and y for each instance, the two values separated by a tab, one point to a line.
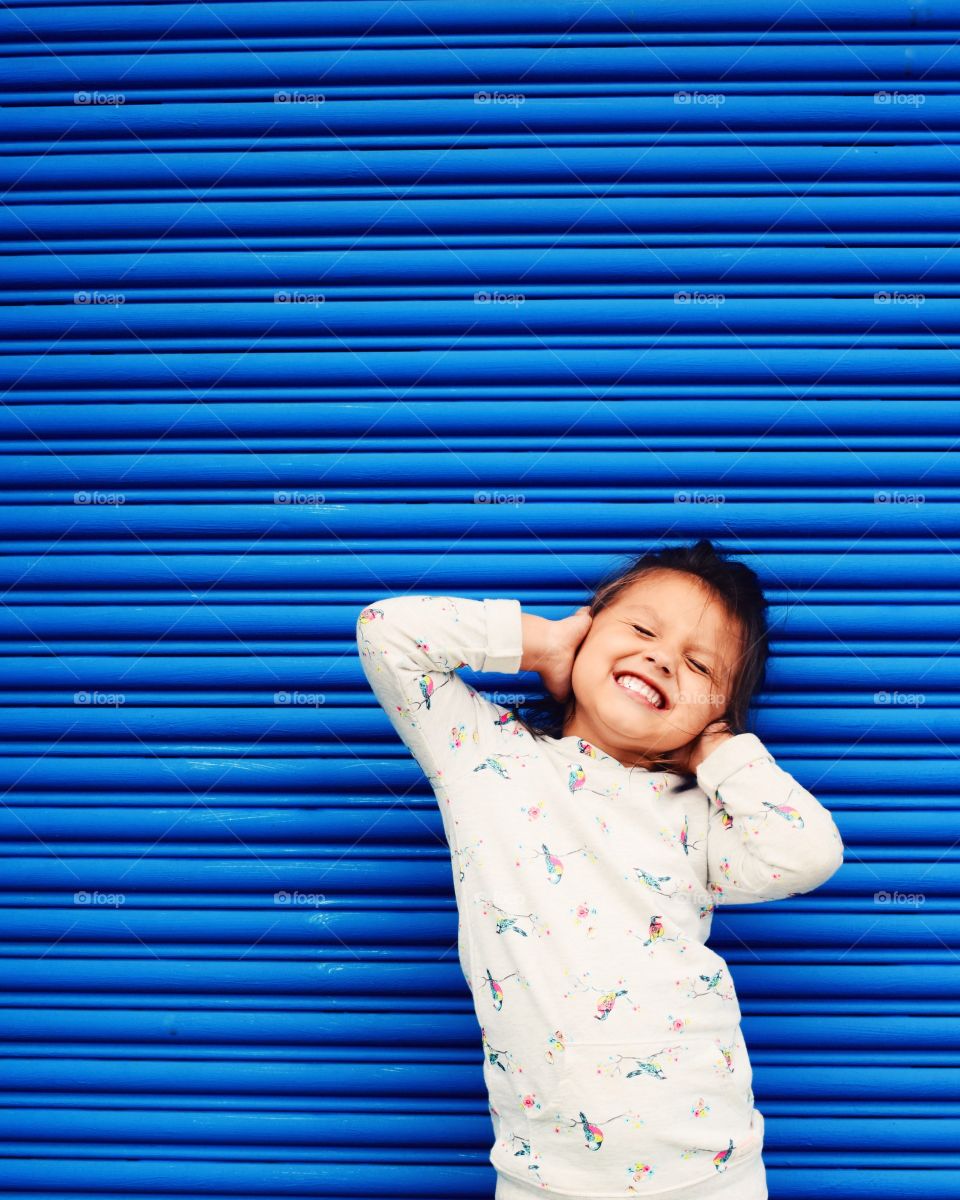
640	690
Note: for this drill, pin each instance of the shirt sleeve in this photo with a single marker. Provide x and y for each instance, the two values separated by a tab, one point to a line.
411	648
767	837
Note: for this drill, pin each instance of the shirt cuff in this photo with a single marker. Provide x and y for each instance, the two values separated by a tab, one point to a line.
504	635
727	759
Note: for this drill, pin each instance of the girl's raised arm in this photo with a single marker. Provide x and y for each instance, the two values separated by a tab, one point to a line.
410	648
768	838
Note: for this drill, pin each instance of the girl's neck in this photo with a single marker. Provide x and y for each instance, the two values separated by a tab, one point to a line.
627	756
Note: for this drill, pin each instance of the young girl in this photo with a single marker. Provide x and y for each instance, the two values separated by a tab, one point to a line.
587	864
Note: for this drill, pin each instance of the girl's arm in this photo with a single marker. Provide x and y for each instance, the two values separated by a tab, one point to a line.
767	838
410	648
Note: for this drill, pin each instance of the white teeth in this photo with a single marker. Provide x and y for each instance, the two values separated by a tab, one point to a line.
638	685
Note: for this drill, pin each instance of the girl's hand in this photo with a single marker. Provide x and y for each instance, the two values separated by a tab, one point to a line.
689	757
549	648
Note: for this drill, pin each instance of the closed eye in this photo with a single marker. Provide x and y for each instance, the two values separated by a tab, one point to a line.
699	666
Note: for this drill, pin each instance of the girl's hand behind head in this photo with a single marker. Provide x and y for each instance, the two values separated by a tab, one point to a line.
689	757
550	647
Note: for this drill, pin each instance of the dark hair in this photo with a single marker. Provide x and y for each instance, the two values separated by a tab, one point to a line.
733	583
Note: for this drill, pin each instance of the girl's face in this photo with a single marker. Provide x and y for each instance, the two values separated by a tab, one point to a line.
668	628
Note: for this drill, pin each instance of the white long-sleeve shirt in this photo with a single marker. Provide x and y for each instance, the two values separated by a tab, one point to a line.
613	1053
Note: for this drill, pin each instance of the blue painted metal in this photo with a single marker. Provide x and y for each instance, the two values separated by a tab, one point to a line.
295	294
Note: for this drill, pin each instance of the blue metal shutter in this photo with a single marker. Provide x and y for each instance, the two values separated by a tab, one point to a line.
306	302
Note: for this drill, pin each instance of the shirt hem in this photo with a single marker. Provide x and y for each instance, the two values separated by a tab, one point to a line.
682	1190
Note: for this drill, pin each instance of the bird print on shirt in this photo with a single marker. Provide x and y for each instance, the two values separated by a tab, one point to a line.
609	996
655	933
593	1130
648	1067
653	882
554	862
495	986
508	922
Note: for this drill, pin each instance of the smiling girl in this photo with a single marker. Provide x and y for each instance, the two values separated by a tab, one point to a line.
589	852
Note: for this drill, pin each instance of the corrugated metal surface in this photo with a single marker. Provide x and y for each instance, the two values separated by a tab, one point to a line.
309	302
